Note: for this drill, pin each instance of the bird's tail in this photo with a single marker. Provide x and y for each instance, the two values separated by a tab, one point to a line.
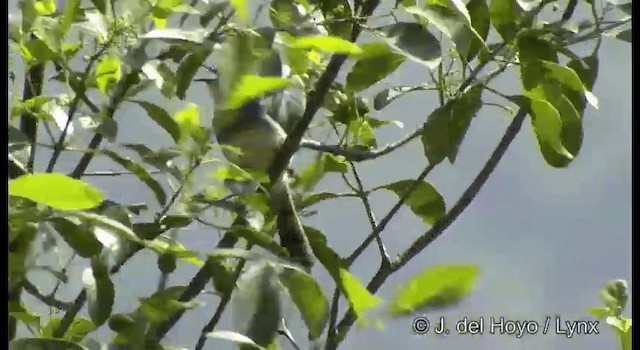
292	235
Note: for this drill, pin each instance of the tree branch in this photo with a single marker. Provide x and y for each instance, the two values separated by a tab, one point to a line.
48	300
438	228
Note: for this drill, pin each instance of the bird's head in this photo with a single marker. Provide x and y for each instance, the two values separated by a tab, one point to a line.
213	84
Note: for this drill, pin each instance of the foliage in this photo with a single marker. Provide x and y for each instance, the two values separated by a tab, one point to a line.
103	55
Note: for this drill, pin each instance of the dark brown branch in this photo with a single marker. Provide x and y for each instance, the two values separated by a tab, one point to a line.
48	300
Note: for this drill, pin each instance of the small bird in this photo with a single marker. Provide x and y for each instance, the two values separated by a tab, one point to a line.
259	137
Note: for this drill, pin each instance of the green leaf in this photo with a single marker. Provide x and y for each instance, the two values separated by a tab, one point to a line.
480	21
314	172
258	304
568	78
507	17
162	118
313	198
101	5
547	126
78	236
45	7
307	294
329	44
195	36
615	295
187	70
436	287
242	9
424	201
43	343
374	67
57	191
164	245
71	9
600	312
100	291
108	73
386	96
162	159
214	9
234	337
250	87
79	329
360	299
415	42
447	126
161	305
105	223
141	173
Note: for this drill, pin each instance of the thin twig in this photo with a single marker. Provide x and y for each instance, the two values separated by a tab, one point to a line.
438	228
47	299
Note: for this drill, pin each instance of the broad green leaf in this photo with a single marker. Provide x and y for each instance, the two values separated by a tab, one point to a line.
250	87
163	158
43	343
307	294
285	13
447	126
568	78
78	236
360	299
100	292
71	9
480	21
424	201
374	67
415	42
547	125
164	245
330	44
161	305
620	323
507	17
311	175
615	295
187	70
195	36
57	191
214	9
101	5
45	7
257	304
141	173
162	118
587	70
600	312
78	329
108	73
234	337
313	198
386	96
451	18
17	311
107	224
436	287
36	51
337	15
242	9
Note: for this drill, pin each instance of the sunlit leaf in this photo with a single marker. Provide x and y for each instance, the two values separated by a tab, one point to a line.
108	73
234	337
425	201
436	287
78	236
195	36
162	118
380	61
56	190
242	9
615	295
100	292
329	44
251	87
507	17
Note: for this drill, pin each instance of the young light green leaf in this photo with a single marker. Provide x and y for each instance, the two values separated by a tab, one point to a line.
547	125
78	237
141	173
374	67
447	126
43	343
195	36
436	287
415	42
189	118
329	44
600	312
57	191
44	7
162	118
250	87
307	294
100	292
234	337
424	201
360	299
108	73
79	328
163	304
242	9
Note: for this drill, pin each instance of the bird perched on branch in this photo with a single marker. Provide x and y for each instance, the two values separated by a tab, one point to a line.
251	130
